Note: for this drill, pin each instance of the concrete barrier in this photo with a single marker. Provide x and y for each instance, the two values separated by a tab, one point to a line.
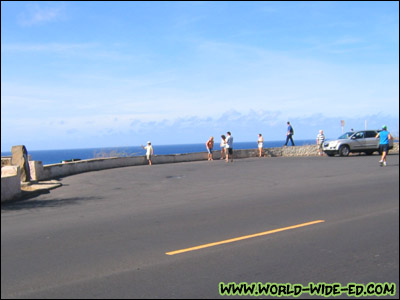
35	167
47	172
10	183
6	161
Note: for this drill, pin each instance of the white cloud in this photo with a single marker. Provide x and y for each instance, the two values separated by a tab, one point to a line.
36	15
104	130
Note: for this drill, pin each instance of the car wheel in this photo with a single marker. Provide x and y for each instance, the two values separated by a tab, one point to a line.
344	151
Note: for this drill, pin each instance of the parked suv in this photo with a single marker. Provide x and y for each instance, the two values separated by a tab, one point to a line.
354	141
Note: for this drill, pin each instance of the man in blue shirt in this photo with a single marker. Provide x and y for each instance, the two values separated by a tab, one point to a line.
384	137
289	134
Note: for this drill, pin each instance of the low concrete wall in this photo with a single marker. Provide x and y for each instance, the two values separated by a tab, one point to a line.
65	169
46	172
10	175
10	183
7	160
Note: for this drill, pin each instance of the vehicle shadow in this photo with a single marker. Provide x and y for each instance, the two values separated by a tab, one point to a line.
28	204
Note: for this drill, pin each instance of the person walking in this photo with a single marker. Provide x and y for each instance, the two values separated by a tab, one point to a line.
149	151
289	134
260	142
229	147
384	137
210	146
320	142
223	146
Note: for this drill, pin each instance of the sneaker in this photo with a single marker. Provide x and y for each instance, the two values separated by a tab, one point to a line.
384	163
381	163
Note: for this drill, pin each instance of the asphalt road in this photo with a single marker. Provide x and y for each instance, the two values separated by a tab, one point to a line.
105	234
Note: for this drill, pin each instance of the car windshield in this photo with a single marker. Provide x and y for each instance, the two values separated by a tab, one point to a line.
346	135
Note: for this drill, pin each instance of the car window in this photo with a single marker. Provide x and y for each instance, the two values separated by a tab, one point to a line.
345	135
370	134
359	135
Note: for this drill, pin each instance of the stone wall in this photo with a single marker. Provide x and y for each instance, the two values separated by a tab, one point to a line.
310	150
395	148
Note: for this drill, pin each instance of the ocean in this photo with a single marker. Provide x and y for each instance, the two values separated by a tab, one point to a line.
57	156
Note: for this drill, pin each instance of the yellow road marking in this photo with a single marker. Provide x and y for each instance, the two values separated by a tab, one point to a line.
243	237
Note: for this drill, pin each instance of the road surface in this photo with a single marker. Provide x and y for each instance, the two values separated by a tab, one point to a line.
111	233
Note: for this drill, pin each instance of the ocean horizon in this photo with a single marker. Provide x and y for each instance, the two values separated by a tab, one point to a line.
48	157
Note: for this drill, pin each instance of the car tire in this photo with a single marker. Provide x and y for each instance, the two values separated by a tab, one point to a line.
344	150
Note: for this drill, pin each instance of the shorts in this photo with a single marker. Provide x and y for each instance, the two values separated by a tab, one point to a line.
384	148
210	151
260	145
230	150
148	156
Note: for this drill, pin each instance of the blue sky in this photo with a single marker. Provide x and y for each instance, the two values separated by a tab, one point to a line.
103	74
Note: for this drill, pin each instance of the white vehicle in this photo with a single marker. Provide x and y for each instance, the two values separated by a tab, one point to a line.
354	141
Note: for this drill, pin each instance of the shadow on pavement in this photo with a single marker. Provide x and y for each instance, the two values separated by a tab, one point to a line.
27	204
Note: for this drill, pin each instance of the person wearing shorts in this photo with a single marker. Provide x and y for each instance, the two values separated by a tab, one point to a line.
384	137
210	146
149	151
223	146
260	142
229	147
320	142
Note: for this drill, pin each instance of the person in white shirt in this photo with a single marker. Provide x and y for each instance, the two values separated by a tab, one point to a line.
223	145
149	151
320	142
260	144
229	147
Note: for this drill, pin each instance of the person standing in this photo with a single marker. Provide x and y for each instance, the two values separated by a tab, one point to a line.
384	137
210	146
260	144
289	134
229	147
149	151
223	146
320	142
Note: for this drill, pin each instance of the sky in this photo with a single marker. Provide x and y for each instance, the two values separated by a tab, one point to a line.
109	74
